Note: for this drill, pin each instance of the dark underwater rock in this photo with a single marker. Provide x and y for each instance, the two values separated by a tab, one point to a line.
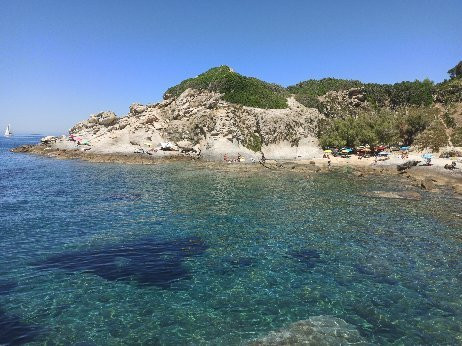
148	262
375	276
308	257
15	332
228	265
7	286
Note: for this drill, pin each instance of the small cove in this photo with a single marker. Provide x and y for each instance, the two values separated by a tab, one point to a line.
177	253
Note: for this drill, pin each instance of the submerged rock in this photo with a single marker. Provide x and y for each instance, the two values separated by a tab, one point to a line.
318	330
7	286
427	184
457	188
411	195
13	331
308	257
148	262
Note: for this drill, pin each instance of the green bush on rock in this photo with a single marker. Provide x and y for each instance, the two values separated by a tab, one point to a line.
246	91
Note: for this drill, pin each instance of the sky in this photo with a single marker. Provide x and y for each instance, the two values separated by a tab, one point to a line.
62	60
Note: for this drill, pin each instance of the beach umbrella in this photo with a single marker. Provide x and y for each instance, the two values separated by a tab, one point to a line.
328	151
427	156
383	153
404	148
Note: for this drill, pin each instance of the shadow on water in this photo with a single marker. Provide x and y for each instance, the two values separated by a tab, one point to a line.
147	262
231	264
307	257
375	276
15	332
7	286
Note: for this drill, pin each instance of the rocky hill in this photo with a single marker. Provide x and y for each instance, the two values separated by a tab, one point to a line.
221	112
201	123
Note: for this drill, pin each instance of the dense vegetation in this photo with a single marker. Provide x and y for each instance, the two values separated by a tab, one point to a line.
417	93
415	125
235	88
457	137
308	92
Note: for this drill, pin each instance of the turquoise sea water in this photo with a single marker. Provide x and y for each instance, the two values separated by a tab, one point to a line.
174	254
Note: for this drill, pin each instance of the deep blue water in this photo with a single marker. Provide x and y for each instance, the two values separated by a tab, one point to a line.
178	253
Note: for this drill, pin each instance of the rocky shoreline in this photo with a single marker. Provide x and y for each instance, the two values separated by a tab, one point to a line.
431	179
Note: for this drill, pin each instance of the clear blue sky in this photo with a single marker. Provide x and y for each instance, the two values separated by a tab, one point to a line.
62	60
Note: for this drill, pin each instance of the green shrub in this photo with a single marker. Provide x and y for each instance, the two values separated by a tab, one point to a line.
449	91
417	93
457	137
433	137
235	88
307	92
449	120
366	129
413	121
253	142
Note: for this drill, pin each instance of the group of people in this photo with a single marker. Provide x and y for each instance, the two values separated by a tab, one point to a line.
241	158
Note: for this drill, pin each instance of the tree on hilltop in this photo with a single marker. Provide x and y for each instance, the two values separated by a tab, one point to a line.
456	71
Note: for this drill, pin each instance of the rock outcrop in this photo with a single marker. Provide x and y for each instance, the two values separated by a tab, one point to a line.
200	122
103	118
351	101
319	330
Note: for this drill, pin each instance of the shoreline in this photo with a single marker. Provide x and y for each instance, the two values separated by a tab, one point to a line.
430	178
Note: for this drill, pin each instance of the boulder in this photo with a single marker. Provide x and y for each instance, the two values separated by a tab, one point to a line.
427	184
106	118
407	165
457	188
185	145
137	108
48	139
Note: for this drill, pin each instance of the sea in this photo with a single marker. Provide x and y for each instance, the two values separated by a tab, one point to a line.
184	253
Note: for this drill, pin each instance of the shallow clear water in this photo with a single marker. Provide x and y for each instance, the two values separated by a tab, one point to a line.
183	254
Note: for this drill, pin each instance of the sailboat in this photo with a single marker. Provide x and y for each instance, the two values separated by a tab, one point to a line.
8	132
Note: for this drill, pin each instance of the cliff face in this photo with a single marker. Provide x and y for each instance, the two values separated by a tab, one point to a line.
201	123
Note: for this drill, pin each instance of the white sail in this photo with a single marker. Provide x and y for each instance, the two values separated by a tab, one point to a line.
8	131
